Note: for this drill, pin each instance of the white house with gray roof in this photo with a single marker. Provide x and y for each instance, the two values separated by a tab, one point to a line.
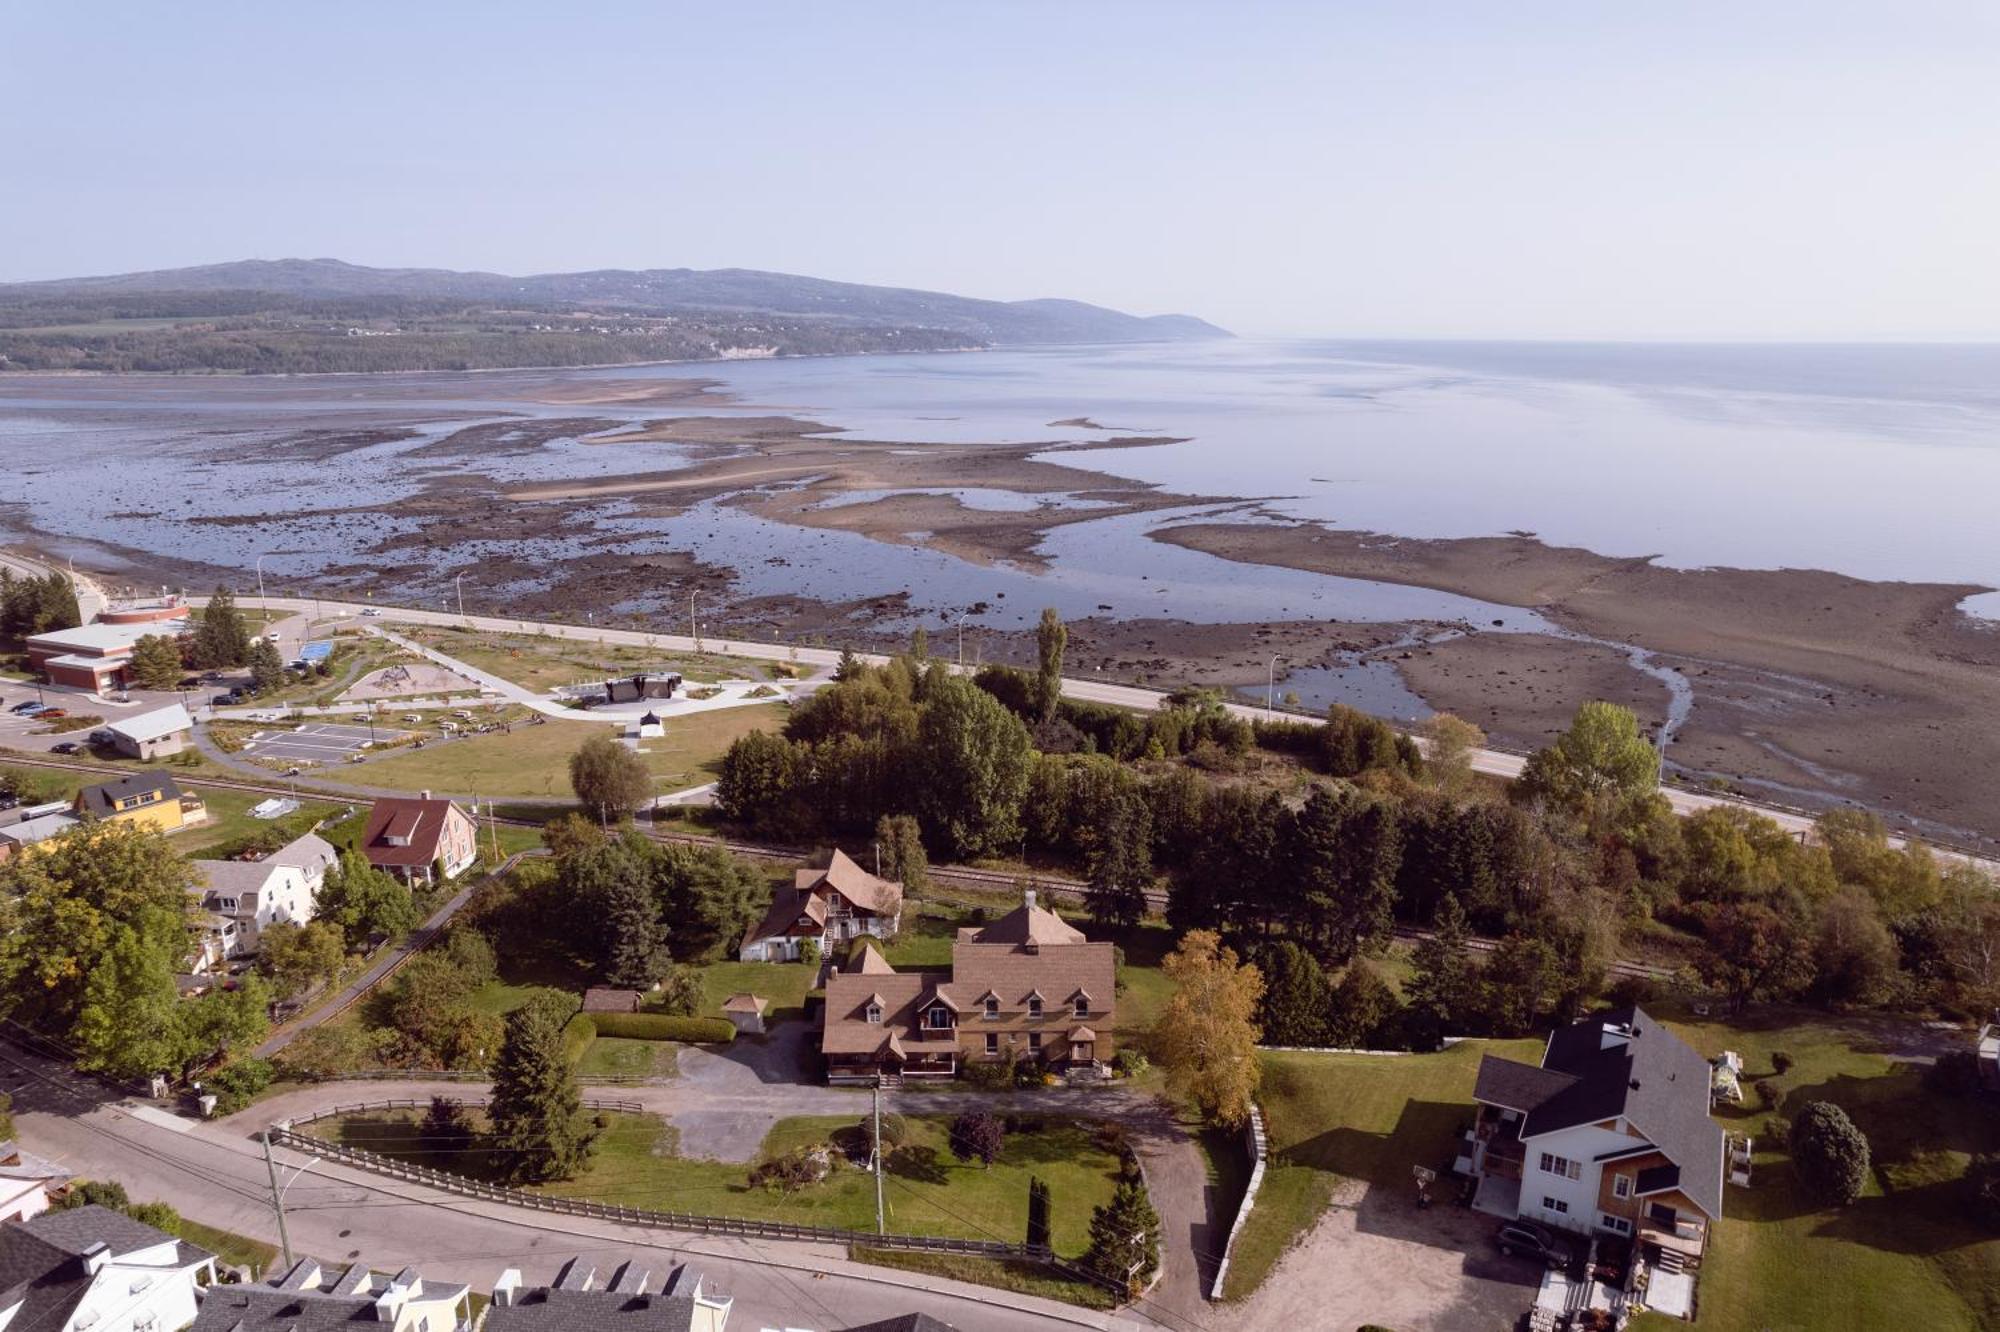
1609	1134
96	1269
254	894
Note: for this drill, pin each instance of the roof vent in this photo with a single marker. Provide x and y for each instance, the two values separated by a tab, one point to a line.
1635	1084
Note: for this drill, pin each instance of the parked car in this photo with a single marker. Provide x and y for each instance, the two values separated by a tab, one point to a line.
101	737
1528	1240
23	709
229	699
9	802
66	747
48	714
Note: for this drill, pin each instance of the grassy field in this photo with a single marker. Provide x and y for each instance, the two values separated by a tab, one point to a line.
533	761
544	663
928	1192
785	984
1360	1117
231	1247
1015	1274
1906	1254
618	1057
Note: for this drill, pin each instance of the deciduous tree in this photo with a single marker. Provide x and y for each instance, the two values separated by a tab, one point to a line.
1596	766
1449	745
1208	1033
1051	638
902	845
971	766
609	779
130	1024
298	957
366	902
977	1136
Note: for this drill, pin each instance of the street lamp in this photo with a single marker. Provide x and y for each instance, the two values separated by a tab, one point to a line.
260	582
1270	683
458	581
278	1194
961	638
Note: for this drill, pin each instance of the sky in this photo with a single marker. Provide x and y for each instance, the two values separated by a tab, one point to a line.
1701	171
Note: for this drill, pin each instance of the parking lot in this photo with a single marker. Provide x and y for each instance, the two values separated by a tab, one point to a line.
315	742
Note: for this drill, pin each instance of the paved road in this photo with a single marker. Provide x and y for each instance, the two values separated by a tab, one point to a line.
215	1174
724	1104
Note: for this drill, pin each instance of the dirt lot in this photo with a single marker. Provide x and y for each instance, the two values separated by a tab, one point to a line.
1377	1259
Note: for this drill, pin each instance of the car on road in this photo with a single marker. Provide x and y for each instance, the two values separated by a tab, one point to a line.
1526	1239
23	709
9	802
228	700
66	747
370	612
271	637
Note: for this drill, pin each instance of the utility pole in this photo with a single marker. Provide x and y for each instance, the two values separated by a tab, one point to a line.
1270	683
278	1201
458	582
260	583
880	1227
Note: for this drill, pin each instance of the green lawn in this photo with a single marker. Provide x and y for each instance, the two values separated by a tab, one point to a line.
619	1057
1015	1274
927	1191
545	662
785	984
230	1247
533	761
1351	1116
1904	1255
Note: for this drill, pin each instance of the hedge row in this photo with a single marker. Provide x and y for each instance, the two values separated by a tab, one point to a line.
660	1027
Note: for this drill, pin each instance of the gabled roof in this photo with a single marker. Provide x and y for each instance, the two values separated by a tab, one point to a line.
234	878
1028	924
417	821
304	853
309	1298
576	1302
1625	1065
155	725
868	960
40	1259
884	897
102	799
912	1322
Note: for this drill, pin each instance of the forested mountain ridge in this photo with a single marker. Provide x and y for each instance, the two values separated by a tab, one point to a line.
283	315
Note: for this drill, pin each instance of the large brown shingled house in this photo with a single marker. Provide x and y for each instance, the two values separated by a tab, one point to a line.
1028	985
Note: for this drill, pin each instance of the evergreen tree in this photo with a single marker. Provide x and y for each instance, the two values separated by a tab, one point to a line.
1119	860
1441	992
1363	1008
221	639
632	948
920	643
1297	998
849	666
156	662
267	668
1038	1212
1051	638
709	894
535	1112
1125	1238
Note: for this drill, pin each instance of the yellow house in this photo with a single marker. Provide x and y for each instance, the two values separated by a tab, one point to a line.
151	800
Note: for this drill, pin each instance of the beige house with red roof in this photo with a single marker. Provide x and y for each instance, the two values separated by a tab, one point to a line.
831	905
417	838
1028	986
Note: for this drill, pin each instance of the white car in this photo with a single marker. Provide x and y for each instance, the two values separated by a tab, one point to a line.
370	612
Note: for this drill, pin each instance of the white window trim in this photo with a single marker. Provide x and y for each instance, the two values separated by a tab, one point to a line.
1554	1205
1621	1186
1617	1225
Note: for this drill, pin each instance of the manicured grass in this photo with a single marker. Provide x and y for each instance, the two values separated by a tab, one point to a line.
927	1191
544	663
1359	1117
533	761
1015	1274
501	998
1906	1254
618	1057
785	984
238	1250
229	819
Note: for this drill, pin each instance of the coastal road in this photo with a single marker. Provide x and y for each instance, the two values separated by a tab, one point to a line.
215	1174
1492	762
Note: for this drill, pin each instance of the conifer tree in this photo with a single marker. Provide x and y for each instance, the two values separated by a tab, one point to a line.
222	639
538	1132
1125	1238
1038	1212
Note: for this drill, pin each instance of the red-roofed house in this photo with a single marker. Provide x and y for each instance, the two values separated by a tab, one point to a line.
417	839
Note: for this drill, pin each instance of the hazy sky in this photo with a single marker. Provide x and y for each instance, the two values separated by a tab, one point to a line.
1593	169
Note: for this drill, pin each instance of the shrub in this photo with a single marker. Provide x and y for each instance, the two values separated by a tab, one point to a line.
1954	1074
895	1130
1829	1153
1781	1061
794	1170
1130	1063
1769	1092
988	1075
662	1027
977	1136
680	991
809	952
238	1084
578	1033
1028	1073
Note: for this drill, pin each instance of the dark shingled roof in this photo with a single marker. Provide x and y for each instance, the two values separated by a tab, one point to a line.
574	1302
100	799
39	1258
1645	1074
915	1322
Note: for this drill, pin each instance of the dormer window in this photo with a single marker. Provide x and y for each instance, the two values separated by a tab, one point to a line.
875	1014
1035	1006
1083	1005
992	1007
940	1018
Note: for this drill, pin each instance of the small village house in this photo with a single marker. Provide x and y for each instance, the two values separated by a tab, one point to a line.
152	735
151	800
746	1012
627	1301
1027	987
831	906
27	1182
420	839
254	894
93	1268
310	1297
